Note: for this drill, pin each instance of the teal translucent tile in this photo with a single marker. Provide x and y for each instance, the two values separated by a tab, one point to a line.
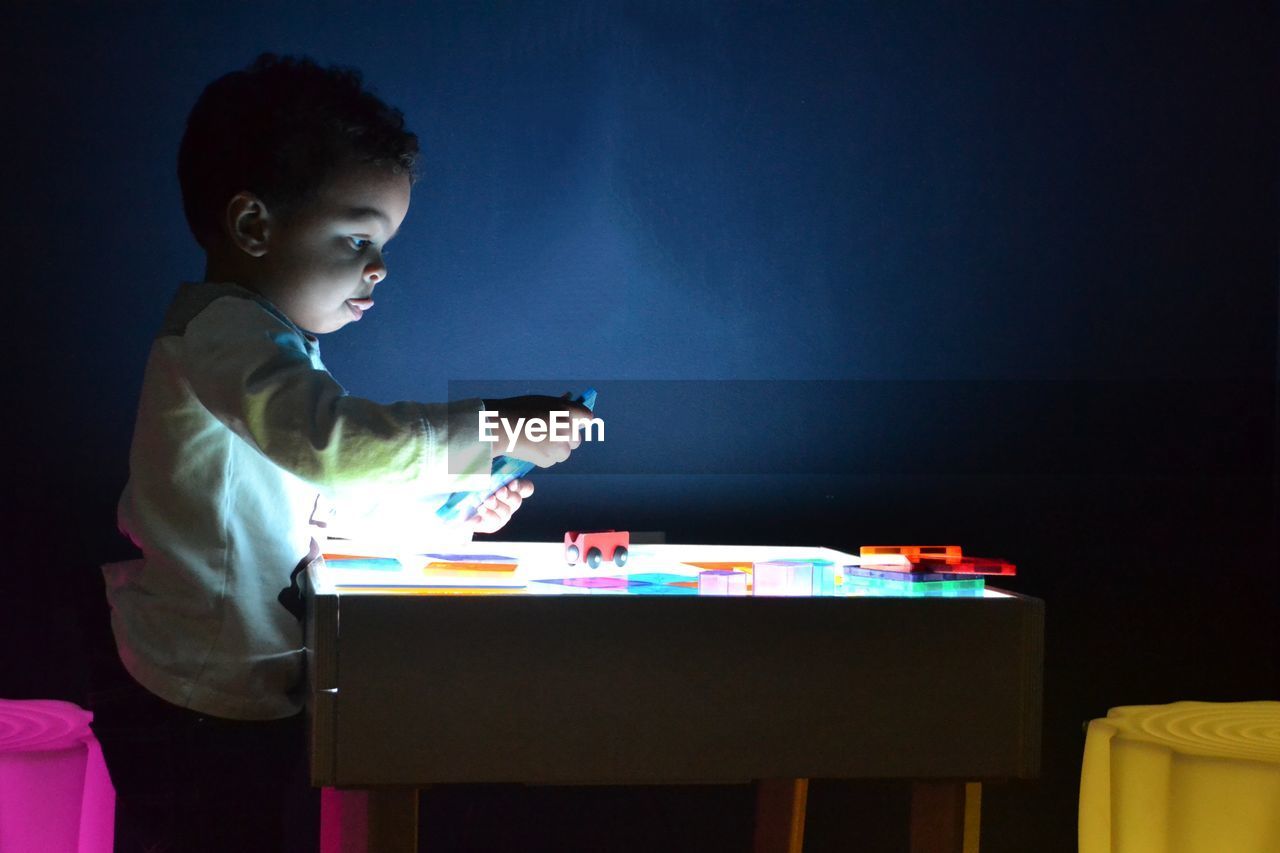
854	585
824	577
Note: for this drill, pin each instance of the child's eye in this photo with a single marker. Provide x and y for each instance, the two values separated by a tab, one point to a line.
359	243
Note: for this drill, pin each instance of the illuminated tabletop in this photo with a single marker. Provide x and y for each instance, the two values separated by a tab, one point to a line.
555	675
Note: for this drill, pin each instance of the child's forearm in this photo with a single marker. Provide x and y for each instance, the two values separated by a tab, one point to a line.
255	375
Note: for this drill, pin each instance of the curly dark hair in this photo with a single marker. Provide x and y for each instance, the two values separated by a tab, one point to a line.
279	129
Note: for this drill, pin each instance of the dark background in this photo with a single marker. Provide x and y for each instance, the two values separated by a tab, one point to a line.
999	276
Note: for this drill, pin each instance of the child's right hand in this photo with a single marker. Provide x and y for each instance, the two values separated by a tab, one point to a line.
545	452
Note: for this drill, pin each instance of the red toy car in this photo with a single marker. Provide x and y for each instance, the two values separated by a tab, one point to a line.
597	546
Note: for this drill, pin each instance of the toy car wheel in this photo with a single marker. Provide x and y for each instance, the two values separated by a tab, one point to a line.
620	556
593	557
572	554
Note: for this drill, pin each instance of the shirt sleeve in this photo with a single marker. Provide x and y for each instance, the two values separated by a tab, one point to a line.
254	373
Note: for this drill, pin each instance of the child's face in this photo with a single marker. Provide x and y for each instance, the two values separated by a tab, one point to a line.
323	261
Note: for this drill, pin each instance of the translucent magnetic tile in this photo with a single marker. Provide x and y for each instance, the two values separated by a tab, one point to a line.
905	577
968	565
469	569
661	577
824	578
721	582
377	564
597	582
854	585
472	558
721	566
912	550
870	559
661	589
783	577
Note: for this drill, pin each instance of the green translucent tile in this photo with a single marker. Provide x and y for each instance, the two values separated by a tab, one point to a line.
913	589
824	577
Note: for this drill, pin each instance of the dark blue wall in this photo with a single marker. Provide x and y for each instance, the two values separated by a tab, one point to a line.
1022	256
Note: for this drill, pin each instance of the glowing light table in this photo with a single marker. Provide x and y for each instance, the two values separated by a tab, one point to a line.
610	683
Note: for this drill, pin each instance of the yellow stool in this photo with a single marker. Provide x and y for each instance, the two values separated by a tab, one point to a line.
1189	777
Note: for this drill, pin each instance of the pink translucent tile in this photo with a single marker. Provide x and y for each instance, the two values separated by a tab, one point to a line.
595	582
782	577
57	796
722	582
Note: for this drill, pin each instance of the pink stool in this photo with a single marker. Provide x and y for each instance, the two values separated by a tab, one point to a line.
55	794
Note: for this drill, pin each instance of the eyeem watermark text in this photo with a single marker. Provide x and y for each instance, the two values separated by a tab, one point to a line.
560	428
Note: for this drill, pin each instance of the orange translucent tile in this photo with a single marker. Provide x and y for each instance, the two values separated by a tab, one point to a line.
721	567
470	567
888	562
911	551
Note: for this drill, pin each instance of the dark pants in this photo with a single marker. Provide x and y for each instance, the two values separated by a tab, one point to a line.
187	781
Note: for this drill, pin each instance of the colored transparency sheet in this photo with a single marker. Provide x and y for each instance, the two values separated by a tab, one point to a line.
539	568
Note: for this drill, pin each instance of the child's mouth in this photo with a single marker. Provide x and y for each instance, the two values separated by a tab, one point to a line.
359	306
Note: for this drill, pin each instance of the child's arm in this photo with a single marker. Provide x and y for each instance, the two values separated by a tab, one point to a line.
254	374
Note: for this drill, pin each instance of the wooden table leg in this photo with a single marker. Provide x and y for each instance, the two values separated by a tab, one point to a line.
780	807
945	817
380	820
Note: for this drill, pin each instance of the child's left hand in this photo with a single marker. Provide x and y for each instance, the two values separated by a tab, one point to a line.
498	508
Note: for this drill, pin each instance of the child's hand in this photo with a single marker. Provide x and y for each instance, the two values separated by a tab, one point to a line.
498	508
515	412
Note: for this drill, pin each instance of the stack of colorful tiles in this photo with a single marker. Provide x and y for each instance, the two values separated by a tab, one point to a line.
920	570
881	570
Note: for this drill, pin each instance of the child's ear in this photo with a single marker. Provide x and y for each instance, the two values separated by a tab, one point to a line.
248	224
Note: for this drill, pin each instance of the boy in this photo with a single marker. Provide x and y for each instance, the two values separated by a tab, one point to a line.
294	179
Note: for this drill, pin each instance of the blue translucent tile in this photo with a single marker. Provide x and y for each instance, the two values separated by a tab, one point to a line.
380	564
662	577
906	577
662	589
824	577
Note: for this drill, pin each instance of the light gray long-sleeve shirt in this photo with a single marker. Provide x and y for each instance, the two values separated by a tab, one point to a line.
240	430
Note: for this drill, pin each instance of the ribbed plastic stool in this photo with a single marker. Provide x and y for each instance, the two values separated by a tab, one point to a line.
55	794
1188	777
